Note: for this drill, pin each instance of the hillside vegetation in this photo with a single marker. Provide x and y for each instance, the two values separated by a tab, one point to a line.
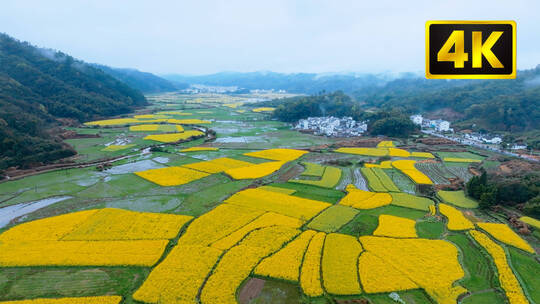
142	81
40	86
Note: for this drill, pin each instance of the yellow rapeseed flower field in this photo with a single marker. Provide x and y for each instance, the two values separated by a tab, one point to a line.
386	144
263	109
255	171
395	226
277	154
112	122
340	264
432	210
218	223
408	168
174	137
218	165
47	229
531	221
364	151
508	281
506	235
81	253
398	152
361	199
387	164
171	176
301	208
180	276
266	220
456	219
116	224
237	263
197	149
432	264
378	276
113	148
310	273
285	264
422	154
81	300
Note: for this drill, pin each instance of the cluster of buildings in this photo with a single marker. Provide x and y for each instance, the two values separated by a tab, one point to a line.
437	124
332	126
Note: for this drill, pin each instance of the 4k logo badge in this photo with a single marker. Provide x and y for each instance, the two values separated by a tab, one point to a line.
471	49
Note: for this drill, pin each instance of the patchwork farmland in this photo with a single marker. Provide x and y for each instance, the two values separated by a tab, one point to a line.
203	199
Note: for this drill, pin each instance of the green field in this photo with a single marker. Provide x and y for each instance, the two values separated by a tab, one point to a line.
411	201
329	179
333	218
457	198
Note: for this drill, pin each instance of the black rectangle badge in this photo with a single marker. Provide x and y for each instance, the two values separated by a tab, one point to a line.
470	49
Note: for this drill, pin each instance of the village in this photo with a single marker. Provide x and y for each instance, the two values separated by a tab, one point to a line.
332	126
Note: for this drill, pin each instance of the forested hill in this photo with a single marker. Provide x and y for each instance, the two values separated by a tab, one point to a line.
143	81
40	86
499	105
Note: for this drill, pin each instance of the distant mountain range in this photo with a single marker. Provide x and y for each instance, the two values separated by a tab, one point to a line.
307	83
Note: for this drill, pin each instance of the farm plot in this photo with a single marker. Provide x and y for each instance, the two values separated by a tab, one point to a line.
171	176
340	264
531	221
359	180
508	281
277	202
174	137
395	226
217	165
277	154
285	264
333	218
156	127
457	198
80	300
505	234
407	167
255	171
96	237
313	169
378	180
456	219
361	199
411	201
198	149
431	264
462	155
310	273
460	170
329	179
437	172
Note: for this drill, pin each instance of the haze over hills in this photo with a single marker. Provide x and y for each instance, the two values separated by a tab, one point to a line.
142	81
40	86
305	83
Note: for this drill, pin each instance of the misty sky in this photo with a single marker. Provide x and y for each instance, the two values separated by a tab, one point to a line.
200	36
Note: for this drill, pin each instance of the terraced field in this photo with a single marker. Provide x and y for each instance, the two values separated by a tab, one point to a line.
252	212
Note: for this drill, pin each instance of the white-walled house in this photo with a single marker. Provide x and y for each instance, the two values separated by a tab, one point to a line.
417	119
